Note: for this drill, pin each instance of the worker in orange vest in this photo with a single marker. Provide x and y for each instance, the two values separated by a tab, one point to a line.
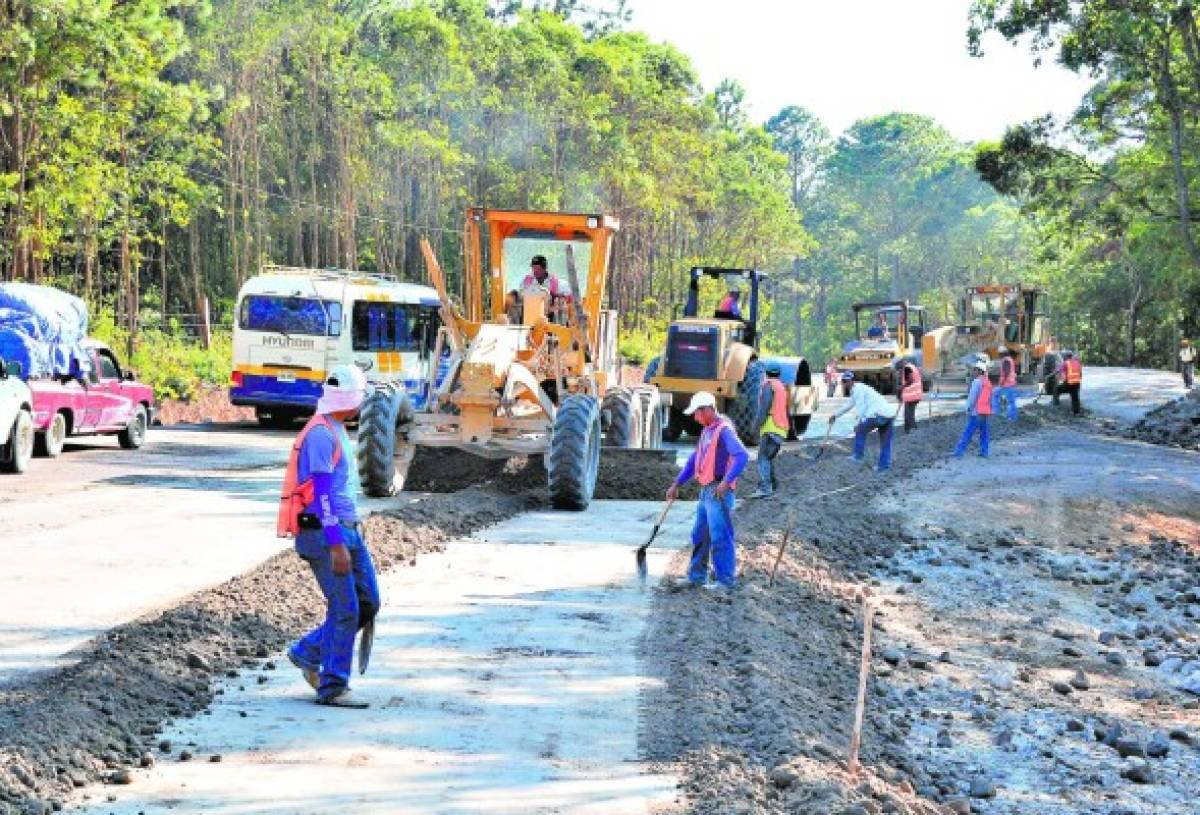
773	421
716	463
1006	387
979	411
912	388
1070	375
318	509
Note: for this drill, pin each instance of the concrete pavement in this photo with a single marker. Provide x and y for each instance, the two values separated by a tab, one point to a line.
504	680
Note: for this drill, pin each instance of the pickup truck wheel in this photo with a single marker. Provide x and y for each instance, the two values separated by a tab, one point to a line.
134	434
49	443
19	449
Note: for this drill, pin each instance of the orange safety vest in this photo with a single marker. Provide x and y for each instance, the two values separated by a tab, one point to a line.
296	497
1008	372
1073	370
983	404
915	389
706	451
779	406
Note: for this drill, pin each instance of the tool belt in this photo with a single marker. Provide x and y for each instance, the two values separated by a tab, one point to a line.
308	520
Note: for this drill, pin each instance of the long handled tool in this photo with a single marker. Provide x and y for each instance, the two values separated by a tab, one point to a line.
824	441
787	531
641	552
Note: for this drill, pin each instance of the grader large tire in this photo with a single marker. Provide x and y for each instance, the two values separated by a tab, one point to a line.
378	419
624	419
574	457
743	409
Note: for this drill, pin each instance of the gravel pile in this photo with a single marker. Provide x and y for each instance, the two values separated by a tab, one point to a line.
103	714
1175	423
1010	673
758	687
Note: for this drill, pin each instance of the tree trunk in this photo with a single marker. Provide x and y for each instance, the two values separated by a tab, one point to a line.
1172	102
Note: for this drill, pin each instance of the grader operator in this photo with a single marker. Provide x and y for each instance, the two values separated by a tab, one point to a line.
537	375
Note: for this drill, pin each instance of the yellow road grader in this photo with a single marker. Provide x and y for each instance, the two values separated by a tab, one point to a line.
524	367
992	318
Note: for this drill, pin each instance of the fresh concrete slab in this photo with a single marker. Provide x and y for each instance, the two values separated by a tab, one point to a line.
504	680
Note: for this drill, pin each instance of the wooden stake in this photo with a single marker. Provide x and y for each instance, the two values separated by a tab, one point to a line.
778	557
864	668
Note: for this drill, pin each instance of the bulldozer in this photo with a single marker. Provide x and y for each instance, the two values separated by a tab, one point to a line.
884	333
992	318
719	354
537	375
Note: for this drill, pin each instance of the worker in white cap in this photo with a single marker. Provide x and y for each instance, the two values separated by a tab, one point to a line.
716	463
318	509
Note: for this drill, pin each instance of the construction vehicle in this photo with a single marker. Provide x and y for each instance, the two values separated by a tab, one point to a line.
719	354
872	355
993	318
537	377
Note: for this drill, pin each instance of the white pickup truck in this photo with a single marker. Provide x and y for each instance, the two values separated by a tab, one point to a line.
16	422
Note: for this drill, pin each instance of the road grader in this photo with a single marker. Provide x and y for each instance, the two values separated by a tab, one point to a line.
523	368
992	318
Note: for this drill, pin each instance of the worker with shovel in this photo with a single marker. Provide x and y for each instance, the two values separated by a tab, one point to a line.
979	412
874	413
318	510
773	421
716	463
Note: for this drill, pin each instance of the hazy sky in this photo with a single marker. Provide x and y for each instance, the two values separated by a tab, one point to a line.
846	59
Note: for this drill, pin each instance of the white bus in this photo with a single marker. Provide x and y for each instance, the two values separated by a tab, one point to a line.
292	325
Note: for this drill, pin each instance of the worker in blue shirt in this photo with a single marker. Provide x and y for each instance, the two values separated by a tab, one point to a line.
319	509
716	463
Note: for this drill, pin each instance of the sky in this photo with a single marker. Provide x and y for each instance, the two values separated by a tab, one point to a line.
848	59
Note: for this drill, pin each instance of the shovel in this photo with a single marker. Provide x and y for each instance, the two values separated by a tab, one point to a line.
642	569
824	442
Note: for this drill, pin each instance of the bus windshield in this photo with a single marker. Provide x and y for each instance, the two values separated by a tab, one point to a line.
290	315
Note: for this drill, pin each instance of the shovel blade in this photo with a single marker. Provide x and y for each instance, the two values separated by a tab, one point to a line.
365	640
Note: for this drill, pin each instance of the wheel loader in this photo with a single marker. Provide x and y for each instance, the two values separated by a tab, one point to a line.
884	332
524	367
991	318
719	354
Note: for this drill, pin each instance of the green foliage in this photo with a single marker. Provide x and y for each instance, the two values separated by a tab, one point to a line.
1110	192
174	366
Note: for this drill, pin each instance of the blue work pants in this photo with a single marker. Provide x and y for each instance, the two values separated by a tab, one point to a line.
329	648
885	425
974	423
712	538
1009	393
768	448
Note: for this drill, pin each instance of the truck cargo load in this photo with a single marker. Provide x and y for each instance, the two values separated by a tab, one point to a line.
42	329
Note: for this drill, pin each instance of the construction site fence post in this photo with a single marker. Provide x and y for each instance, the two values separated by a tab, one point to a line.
863	672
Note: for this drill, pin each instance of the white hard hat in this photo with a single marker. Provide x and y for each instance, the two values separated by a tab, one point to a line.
345	388
981	366
702	399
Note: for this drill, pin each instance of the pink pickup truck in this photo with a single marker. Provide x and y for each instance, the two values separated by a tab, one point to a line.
104	401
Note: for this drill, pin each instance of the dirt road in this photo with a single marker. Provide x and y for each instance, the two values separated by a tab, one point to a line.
781	659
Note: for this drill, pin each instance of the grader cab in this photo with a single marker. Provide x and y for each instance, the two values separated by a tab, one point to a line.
526	366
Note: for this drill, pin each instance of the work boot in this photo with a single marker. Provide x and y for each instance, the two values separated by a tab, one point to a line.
343	698
761	493
310	676
683	584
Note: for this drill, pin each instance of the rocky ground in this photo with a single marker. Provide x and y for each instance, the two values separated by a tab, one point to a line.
210	404
1176	423
1035	644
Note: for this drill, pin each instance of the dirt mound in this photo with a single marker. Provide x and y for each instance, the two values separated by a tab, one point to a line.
758	686
85	722
624	474
210	404
1176	423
